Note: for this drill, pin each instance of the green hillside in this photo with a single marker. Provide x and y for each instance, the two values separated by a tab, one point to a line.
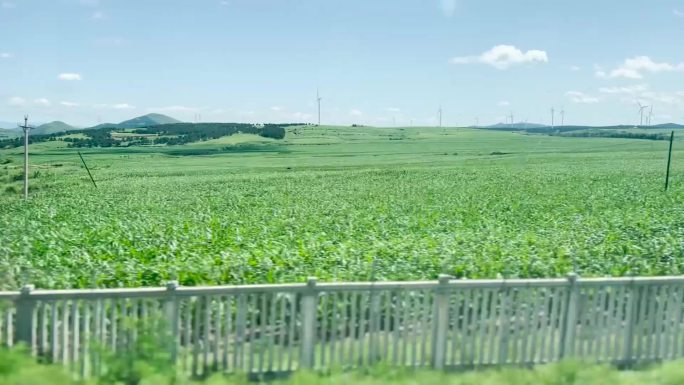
52	128
5	133
147	120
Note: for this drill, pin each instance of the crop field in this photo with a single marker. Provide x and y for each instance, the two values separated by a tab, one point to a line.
342	204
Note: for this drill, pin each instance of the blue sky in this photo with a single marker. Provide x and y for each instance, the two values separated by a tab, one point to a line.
379	62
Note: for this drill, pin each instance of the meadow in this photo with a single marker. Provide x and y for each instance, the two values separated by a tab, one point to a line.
342	203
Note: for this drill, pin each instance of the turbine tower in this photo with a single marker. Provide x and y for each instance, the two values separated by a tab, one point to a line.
440	116
562	114
650	115
641	113
552	116
318	100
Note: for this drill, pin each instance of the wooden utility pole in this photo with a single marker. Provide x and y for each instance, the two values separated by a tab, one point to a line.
669	160
26	129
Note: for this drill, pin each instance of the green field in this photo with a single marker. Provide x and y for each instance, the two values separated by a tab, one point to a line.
342	204
154	369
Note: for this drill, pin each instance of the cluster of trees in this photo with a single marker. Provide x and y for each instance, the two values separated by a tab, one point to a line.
616	134
169	134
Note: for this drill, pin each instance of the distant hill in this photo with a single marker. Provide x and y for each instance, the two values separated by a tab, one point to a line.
513	126
147	121
667	125
5	133
52	128
104	125
541	128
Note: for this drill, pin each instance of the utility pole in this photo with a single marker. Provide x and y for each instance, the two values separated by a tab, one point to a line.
669	160
26	129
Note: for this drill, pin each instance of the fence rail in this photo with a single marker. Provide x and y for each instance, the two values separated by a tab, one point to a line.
280	328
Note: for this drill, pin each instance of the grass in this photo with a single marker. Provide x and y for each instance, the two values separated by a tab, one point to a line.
18	369
343	203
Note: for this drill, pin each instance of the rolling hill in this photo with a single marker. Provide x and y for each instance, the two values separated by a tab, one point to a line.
147	120
52	127
667	125
5	133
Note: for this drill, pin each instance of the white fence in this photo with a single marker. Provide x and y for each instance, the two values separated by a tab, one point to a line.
279	328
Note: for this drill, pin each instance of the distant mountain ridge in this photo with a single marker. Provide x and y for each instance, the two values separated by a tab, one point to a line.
52	128
535	127
147	120
139	122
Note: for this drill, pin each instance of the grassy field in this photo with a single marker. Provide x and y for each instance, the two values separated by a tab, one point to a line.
342	204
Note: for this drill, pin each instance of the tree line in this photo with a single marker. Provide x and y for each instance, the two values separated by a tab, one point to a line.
615	134
163	134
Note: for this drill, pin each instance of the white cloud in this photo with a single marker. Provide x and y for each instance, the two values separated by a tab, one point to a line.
118	106
6	55
42	102
394	109
98	15
575	68
580	97
448	7
69	104
16	101
355	112
301	116
503	56
678	13
641	92
69	76
276	108
629	90
170	109
7	4
503	103
634	68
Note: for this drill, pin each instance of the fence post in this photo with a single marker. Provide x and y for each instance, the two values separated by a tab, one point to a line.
567	340
441	323
172	313
25	329
630	318
374	317
308	306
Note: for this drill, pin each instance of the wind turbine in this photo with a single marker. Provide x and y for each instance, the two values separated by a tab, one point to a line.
562	114
552	116
511	116
650	115
440	116
318	100
641	113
